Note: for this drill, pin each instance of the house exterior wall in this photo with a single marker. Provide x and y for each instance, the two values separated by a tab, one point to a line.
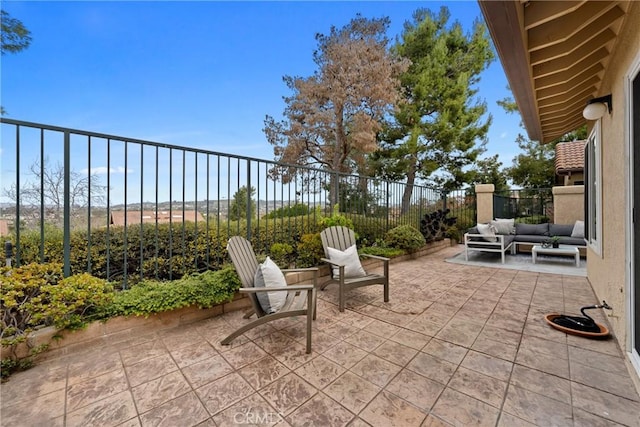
576	178
568	204
606	271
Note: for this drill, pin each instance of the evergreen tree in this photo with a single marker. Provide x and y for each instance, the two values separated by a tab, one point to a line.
439	128
238	208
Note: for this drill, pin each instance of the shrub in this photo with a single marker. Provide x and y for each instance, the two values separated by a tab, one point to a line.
37	295
282	254
309	250
202	289
336	218
297	209
405	237
381	251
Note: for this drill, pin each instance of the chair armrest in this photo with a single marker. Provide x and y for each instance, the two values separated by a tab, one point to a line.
327	260
299	270
381	258
277	288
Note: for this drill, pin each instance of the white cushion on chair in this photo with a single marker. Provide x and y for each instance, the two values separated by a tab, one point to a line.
350	259
269	275
578	229
488	232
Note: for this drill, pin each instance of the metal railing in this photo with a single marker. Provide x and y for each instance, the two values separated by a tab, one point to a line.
532	206
123	208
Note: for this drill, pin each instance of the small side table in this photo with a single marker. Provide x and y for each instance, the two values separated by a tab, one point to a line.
561	250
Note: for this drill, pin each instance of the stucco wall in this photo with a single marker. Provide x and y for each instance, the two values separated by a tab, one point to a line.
484	202
568	204
606	271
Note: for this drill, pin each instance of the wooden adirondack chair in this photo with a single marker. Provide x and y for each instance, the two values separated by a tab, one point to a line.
341	238
300	300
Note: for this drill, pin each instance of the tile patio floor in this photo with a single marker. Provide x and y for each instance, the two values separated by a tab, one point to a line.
457	345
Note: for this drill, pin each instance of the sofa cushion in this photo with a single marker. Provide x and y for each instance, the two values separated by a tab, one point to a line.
532	229
504	225
488	232
576	241
531	238
560	229
578	229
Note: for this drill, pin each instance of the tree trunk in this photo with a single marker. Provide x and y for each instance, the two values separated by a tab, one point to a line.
408	189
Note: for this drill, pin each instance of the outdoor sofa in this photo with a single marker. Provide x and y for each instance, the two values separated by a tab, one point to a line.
502	235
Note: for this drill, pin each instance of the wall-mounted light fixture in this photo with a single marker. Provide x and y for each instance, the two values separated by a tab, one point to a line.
596	107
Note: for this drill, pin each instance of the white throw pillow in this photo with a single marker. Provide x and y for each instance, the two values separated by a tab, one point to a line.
350	259
504	225
269	275
487	232
578	229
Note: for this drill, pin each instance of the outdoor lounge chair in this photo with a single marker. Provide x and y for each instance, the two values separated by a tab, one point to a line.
300	299
342	239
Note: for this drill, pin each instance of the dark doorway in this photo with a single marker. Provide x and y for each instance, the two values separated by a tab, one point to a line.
635	117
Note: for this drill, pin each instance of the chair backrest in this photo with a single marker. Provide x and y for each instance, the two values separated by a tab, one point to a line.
337	237
245	262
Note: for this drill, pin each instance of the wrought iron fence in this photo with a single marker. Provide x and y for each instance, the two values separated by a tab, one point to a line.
534	206
124	208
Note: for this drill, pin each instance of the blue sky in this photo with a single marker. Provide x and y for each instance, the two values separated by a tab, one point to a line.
200	74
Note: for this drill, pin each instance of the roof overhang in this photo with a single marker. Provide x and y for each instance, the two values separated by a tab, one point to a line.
555	54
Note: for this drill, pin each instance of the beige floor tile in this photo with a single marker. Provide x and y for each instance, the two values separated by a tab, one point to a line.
179	337
541	362
433	421
495	348
365	340
39	380
606	381
432	367
156	392
320	371
352	391
462	410
488	365
345	354
142	352
93	365
544	347
395	353
603	361
387	409
584	419
97	388
605	405
340	330
501	335
252	410
508	420
208	370
263	371
444	350
479	386
150	369
186	410
536	408
39	410
224	392
420	391
293	355
193	353
542	383
288	393
113	410
320	410
243	355
382	329
376	370
411	339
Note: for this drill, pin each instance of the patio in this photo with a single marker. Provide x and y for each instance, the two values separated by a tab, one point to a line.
457	345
